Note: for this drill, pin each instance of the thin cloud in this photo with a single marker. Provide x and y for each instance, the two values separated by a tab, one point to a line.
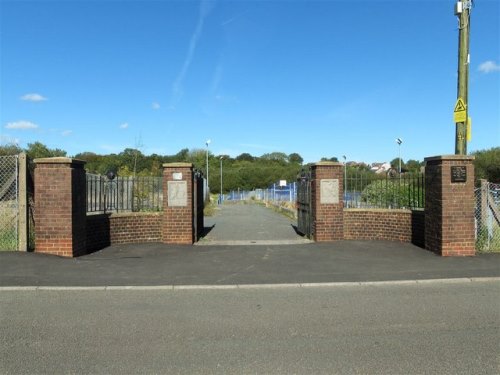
67	133
227	22
155	105
489	67
21	125
6	140
124	125
177	87
33	98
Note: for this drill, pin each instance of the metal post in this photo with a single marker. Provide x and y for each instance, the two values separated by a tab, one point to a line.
399	141
220	196
23	203
462	11
208	193
345	178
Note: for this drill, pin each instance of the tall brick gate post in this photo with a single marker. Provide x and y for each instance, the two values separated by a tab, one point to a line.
327	201
60	206
178	210
449	205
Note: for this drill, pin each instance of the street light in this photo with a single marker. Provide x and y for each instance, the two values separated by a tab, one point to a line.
220	196
399	141
345	177
207	143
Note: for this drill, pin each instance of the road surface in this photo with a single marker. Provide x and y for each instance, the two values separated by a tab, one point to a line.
433	328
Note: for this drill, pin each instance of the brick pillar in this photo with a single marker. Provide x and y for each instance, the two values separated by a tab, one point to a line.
178	210
449	205
60	206
327	201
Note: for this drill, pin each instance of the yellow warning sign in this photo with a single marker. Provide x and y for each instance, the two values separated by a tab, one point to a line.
460	112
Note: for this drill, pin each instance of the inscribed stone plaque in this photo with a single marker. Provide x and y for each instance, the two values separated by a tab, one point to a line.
459	173
177	193
329	191
177	176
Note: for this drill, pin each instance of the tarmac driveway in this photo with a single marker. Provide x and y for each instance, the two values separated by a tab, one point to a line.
158	264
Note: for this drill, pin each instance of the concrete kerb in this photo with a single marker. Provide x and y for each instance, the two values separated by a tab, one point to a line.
249	286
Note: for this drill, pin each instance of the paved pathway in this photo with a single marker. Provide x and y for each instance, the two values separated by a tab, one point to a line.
247	224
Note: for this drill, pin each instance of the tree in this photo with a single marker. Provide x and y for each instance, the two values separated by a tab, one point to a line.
245	157
395	164
10	149
279	157
295	158
487	164
39	150
413	166
334	159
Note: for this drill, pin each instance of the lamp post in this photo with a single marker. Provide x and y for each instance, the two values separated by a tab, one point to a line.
399	141
345	177
207	192
220	196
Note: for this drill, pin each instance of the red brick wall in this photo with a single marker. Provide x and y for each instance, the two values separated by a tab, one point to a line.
119	228
98	232
60	207
380	224
327	218
135	227
449	206
178	226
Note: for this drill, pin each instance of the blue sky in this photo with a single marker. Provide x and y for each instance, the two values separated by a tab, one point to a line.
321	78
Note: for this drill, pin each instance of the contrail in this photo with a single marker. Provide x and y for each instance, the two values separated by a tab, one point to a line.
177	89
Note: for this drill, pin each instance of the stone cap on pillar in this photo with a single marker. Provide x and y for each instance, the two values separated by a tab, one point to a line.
59	160
450	158
327	164
178	165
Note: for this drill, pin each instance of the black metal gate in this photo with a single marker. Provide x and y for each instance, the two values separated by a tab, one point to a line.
198	205
304	208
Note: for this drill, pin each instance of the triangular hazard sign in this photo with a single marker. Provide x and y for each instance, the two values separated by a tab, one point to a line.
460	105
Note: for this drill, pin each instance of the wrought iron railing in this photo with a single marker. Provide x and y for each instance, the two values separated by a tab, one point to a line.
118	194
368	190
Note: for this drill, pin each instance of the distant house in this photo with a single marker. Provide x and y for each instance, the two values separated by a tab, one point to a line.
380	167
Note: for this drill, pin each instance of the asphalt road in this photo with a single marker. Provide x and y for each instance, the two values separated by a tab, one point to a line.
434	328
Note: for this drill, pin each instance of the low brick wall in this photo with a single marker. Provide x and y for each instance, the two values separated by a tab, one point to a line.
110	229
379	224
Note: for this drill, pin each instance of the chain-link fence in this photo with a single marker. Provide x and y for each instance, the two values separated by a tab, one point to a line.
488	217
9	204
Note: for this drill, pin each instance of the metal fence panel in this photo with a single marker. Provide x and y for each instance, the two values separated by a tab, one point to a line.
9	203
275	194
488	217
363	190
124	194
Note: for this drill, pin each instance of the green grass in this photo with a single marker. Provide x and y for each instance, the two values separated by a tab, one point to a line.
8	240
488	245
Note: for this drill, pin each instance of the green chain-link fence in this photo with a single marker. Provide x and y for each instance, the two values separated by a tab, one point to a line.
9	204
488	217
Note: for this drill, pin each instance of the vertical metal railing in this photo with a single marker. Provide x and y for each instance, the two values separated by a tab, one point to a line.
123	193
367	190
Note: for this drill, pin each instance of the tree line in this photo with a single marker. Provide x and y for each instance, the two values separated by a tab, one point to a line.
244	172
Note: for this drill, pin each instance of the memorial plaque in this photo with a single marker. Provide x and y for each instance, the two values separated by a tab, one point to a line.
177	193
458	174
329	191
177	176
